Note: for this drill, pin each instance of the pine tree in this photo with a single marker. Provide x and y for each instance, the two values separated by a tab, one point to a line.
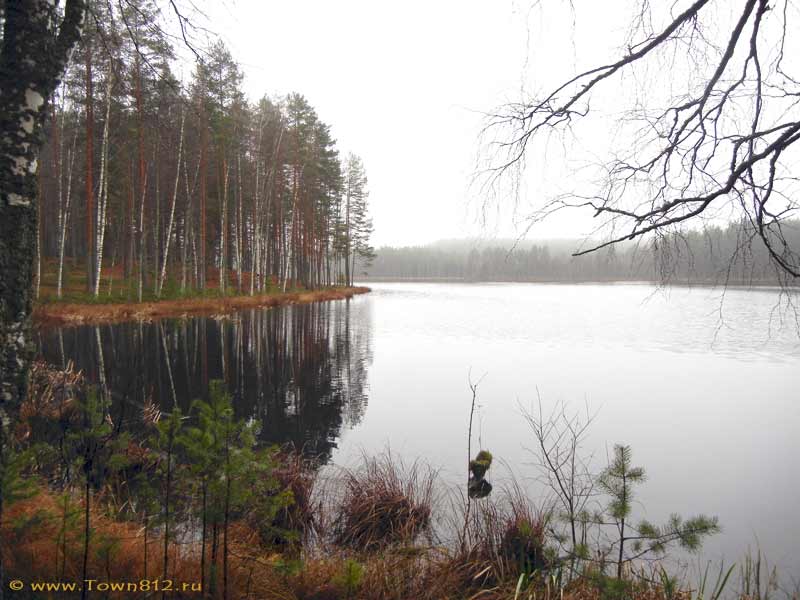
618	481
357	224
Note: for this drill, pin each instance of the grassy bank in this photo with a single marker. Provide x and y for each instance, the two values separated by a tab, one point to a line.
190	498
72	313
372	542
118	299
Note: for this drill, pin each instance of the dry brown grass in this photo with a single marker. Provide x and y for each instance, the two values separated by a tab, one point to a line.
497	539
384	503
95	314
32	552
294	524
51	395
435	574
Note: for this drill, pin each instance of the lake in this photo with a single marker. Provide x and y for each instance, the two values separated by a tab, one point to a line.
703	385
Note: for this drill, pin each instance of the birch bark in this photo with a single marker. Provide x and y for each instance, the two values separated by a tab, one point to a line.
172	210
35	48
102	199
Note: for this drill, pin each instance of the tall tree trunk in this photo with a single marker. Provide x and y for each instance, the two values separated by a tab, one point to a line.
347	242
203	193
34	53
141	160
239	230
187	225
102	199
64	215
38	276
142	238
291	259
172	210
255	242
90	228
58	171
157	221
223	243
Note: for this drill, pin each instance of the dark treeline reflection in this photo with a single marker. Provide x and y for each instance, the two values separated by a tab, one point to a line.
301	370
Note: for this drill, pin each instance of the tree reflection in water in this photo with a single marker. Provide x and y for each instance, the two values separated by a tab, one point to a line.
300	370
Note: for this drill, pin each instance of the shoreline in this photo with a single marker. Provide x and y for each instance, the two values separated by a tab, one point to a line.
75	314
756	285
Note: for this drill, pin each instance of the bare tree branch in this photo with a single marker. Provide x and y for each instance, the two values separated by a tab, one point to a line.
726	140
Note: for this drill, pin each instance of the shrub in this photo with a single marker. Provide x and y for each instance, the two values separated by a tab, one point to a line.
295	519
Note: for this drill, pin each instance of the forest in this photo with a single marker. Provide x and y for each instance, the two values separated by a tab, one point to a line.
160	186
711	255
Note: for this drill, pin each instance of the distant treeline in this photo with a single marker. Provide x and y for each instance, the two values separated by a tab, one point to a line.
715	254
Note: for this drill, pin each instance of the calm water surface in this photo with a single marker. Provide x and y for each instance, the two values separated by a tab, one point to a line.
705	388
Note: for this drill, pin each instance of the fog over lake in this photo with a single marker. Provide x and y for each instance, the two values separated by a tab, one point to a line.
702	384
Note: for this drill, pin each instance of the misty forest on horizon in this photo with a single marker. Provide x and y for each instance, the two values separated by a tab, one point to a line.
714	255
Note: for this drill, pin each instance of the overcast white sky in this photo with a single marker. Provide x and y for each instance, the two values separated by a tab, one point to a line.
403	85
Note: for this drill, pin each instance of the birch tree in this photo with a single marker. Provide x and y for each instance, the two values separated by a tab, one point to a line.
36	44
172	208
102	199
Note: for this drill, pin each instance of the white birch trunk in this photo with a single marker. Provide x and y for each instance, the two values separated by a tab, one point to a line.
157	224
102	200
256	224
189	224
64	215
172	211
187	220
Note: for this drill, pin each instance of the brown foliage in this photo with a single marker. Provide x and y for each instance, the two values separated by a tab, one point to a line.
32	552
51	395
498	539
384	504
298	475
83	314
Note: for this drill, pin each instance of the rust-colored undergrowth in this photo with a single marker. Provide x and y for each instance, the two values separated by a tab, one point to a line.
42	541
59	314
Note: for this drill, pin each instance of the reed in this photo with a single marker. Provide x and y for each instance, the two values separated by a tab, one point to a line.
298	520
384	503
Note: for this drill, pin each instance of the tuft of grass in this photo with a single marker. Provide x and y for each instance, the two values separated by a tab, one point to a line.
523	537
499	540
384	503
